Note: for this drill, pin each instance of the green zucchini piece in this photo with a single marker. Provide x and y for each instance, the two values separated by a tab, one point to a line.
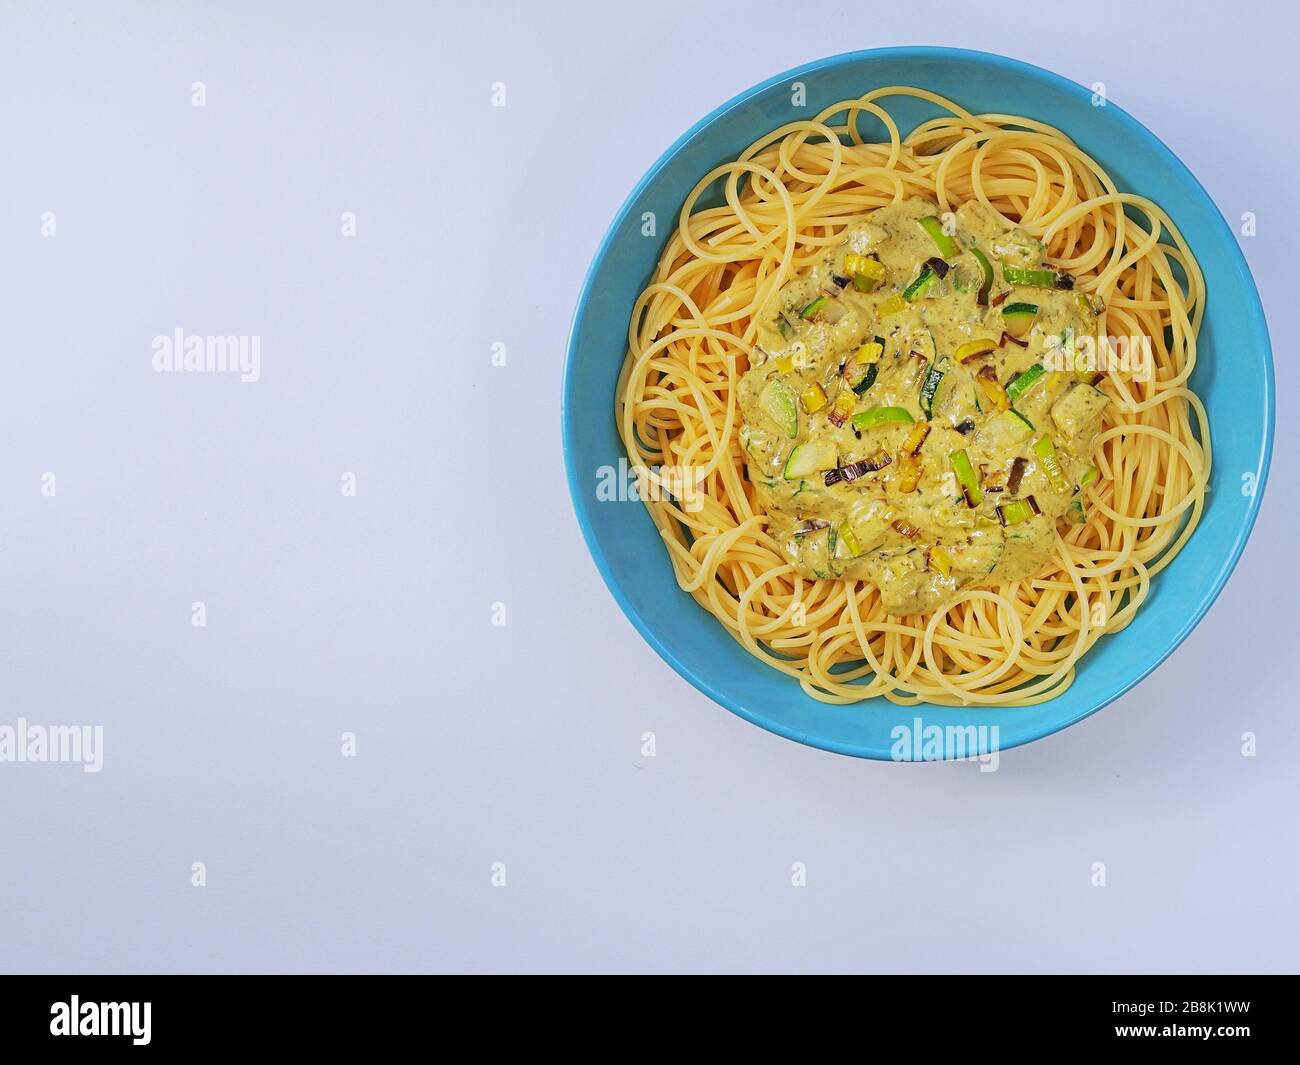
809	458
1018	317
925	281
876	416
868	378
1035	278
929	386
946	245
1008	428
1023	382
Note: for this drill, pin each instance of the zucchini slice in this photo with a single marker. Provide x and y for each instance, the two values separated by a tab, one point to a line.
810	458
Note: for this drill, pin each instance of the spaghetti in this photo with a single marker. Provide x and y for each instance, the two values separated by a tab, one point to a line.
694	333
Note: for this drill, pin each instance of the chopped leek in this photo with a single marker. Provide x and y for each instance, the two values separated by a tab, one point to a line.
854	470
904	528
1016	511
1045	451
866	272
850	540
909	473
913	441
970	486
909	462
842	407
853	263
940	560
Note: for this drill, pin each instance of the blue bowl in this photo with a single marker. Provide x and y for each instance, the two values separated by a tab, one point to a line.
623	539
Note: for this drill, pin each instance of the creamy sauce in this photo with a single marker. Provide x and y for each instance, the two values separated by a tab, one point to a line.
920	527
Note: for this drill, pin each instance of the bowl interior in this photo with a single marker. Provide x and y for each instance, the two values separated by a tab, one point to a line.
623	539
